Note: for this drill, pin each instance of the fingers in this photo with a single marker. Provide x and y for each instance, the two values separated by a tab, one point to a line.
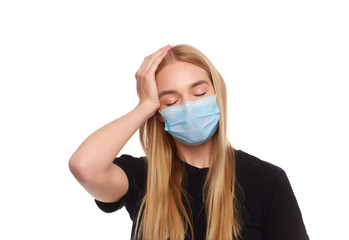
152	61
161	53
157	61
145	76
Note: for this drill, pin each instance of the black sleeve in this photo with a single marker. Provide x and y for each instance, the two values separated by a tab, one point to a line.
283	220
135	170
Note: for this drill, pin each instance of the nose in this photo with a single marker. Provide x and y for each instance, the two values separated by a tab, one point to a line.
187	98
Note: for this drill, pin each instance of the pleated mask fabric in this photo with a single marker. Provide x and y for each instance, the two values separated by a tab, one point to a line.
192	123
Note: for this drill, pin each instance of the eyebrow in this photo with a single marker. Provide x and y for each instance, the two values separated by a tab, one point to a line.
191	86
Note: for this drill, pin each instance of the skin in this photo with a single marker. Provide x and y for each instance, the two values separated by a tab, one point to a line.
92	163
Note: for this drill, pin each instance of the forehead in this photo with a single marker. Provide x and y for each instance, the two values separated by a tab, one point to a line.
180	74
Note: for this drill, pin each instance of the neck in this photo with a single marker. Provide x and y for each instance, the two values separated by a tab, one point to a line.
197	156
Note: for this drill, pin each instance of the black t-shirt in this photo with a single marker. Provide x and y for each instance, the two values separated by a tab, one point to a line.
270	211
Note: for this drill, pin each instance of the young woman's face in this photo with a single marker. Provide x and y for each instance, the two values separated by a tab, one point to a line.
180	82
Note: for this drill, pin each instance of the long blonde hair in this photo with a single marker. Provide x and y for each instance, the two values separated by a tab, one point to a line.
162	213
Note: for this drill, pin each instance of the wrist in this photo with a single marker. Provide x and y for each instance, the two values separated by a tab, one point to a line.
148	107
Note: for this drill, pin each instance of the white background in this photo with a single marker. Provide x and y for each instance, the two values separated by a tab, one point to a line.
67	68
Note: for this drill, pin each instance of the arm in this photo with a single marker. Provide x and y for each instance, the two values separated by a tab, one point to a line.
92	163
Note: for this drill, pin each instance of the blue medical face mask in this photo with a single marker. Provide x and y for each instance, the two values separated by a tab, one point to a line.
192	123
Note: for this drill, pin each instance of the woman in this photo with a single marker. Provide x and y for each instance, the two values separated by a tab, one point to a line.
192	184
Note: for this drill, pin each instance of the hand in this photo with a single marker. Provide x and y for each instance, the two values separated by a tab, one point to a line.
146	85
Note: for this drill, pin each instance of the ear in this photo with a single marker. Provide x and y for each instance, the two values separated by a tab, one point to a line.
159	116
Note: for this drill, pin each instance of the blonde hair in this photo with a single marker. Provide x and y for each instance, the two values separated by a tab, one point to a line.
162	214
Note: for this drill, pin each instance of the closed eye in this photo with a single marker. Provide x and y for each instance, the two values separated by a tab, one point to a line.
169	104
200	94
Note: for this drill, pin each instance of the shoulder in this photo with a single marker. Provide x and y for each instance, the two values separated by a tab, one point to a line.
135	169
268	195
130	161
255	175
254	166
132	166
